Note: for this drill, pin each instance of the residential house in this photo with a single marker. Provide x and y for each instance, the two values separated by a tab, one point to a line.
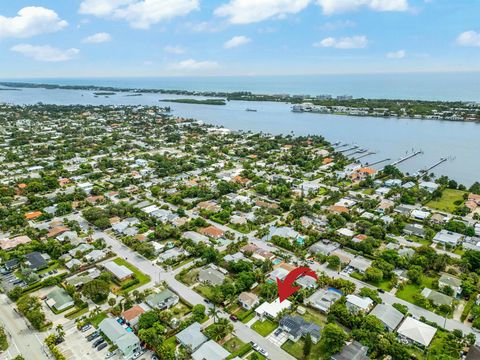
323	299
356	303
271	310
58	299
210	351
211	275
447	280
248	300
36	261
212	231
195	237
120	272
360	264
415	230
126	341
9	244
448	237
132	315
417	332
388	315
437	298
162	300
352	351
191	337
296	327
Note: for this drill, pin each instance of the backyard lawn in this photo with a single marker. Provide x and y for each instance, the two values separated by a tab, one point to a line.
264	327
143	278
296	349
447	201
234	344
409	290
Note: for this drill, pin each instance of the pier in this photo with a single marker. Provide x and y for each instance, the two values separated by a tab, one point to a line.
441	161
405	158
377	162
345	150
365	155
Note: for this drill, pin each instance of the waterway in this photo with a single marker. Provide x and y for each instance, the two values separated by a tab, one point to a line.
388	137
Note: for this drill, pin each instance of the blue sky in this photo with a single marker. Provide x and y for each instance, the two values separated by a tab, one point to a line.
108	38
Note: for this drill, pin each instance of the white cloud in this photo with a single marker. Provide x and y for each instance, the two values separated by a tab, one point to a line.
31	21
45	53
469	38
250	11
337	6
400	54
193	65
97	38
354	42
140	14
177	50
236	41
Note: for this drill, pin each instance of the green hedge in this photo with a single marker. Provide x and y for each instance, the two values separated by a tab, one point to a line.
245	349
468	307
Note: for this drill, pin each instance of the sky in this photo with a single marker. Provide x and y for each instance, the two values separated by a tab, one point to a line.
136	38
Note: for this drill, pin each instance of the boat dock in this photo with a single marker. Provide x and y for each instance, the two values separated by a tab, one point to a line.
365	155
405	158
377	162
441	161
351	148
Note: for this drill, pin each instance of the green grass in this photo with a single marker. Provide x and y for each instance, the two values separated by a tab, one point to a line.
384	284
447	201
409	290
204	290
296	350
259	356
97	319
234	344
53	266
264	327
171	342
248	318
74	315
143	278
441	346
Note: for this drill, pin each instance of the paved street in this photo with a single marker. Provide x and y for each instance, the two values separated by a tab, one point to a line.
157	274
22	339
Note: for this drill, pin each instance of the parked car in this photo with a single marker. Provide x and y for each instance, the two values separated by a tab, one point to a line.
233	318
59	340
381	291
263	352
85	328
102	346
98	342
278	332
93	336
109	354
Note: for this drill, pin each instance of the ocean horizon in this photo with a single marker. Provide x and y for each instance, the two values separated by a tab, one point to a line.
448	86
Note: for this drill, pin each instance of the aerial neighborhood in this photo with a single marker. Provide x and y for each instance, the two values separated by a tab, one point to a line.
130	233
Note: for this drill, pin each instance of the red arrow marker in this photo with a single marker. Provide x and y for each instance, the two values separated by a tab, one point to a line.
286	288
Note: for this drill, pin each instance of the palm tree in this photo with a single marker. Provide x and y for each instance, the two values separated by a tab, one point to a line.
213	312
60	332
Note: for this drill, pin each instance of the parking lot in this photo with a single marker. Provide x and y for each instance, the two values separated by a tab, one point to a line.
76	347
